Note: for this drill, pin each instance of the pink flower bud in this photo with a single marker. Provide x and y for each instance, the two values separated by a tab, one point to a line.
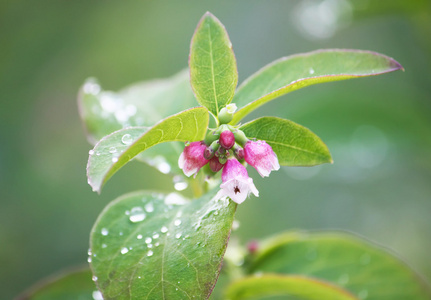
215	164
192	158
227	139
236	183
261	156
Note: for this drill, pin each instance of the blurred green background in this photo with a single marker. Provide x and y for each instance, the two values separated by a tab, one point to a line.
378	129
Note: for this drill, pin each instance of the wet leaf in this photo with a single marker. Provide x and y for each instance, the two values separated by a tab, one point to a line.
294	144
362	268
115	150
68	285
297	71
278	285
157	246
213	71
140	105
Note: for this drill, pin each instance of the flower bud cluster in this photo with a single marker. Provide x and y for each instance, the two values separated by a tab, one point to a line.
223	149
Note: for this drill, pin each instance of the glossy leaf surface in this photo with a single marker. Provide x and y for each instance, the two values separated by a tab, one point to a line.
213	71
278	285
294	144
157	246
115	150
69	285
143	104
297	71
365	270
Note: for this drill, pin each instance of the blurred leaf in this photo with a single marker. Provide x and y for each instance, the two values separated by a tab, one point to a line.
213	71
69	285
294	144
296	286
297	71
115	150
142	104
367	271
155	246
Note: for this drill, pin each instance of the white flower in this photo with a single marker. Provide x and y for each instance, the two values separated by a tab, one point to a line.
236	183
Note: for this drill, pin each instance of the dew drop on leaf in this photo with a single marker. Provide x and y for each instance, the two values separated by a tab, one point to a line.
150	253
137	214
148	240
127	139
112	150
178	235
177	222
94	278
156	236
124	250
91	152
149	207
97	295
139	237
104	231
164	229
180	183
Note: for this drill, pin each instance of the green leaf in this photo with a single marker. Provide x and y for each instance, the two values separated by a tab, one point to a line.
213	71
143	104
297	71
366	270
296	286
115	150
294	144
68	285
156	246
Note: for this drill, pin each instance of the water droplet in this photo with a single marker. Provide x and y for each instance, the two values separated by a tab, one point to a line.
139	277
150	246
363	294
114	159
97	153
149	207
157	244
104	231
127	139
180	183
177	222
365	259
164	229
175	199
89	251
124	250
89	259
121	233
97	295
104	245
94	278
112	150
150	253
179	282
178	235
235	225
344	279
91	87
139	237
156	236
176	289
137	214
148	240
311	71
91	152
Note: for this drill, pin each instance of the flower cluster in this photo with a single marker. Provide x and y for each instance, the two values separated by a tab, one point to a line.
223	149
